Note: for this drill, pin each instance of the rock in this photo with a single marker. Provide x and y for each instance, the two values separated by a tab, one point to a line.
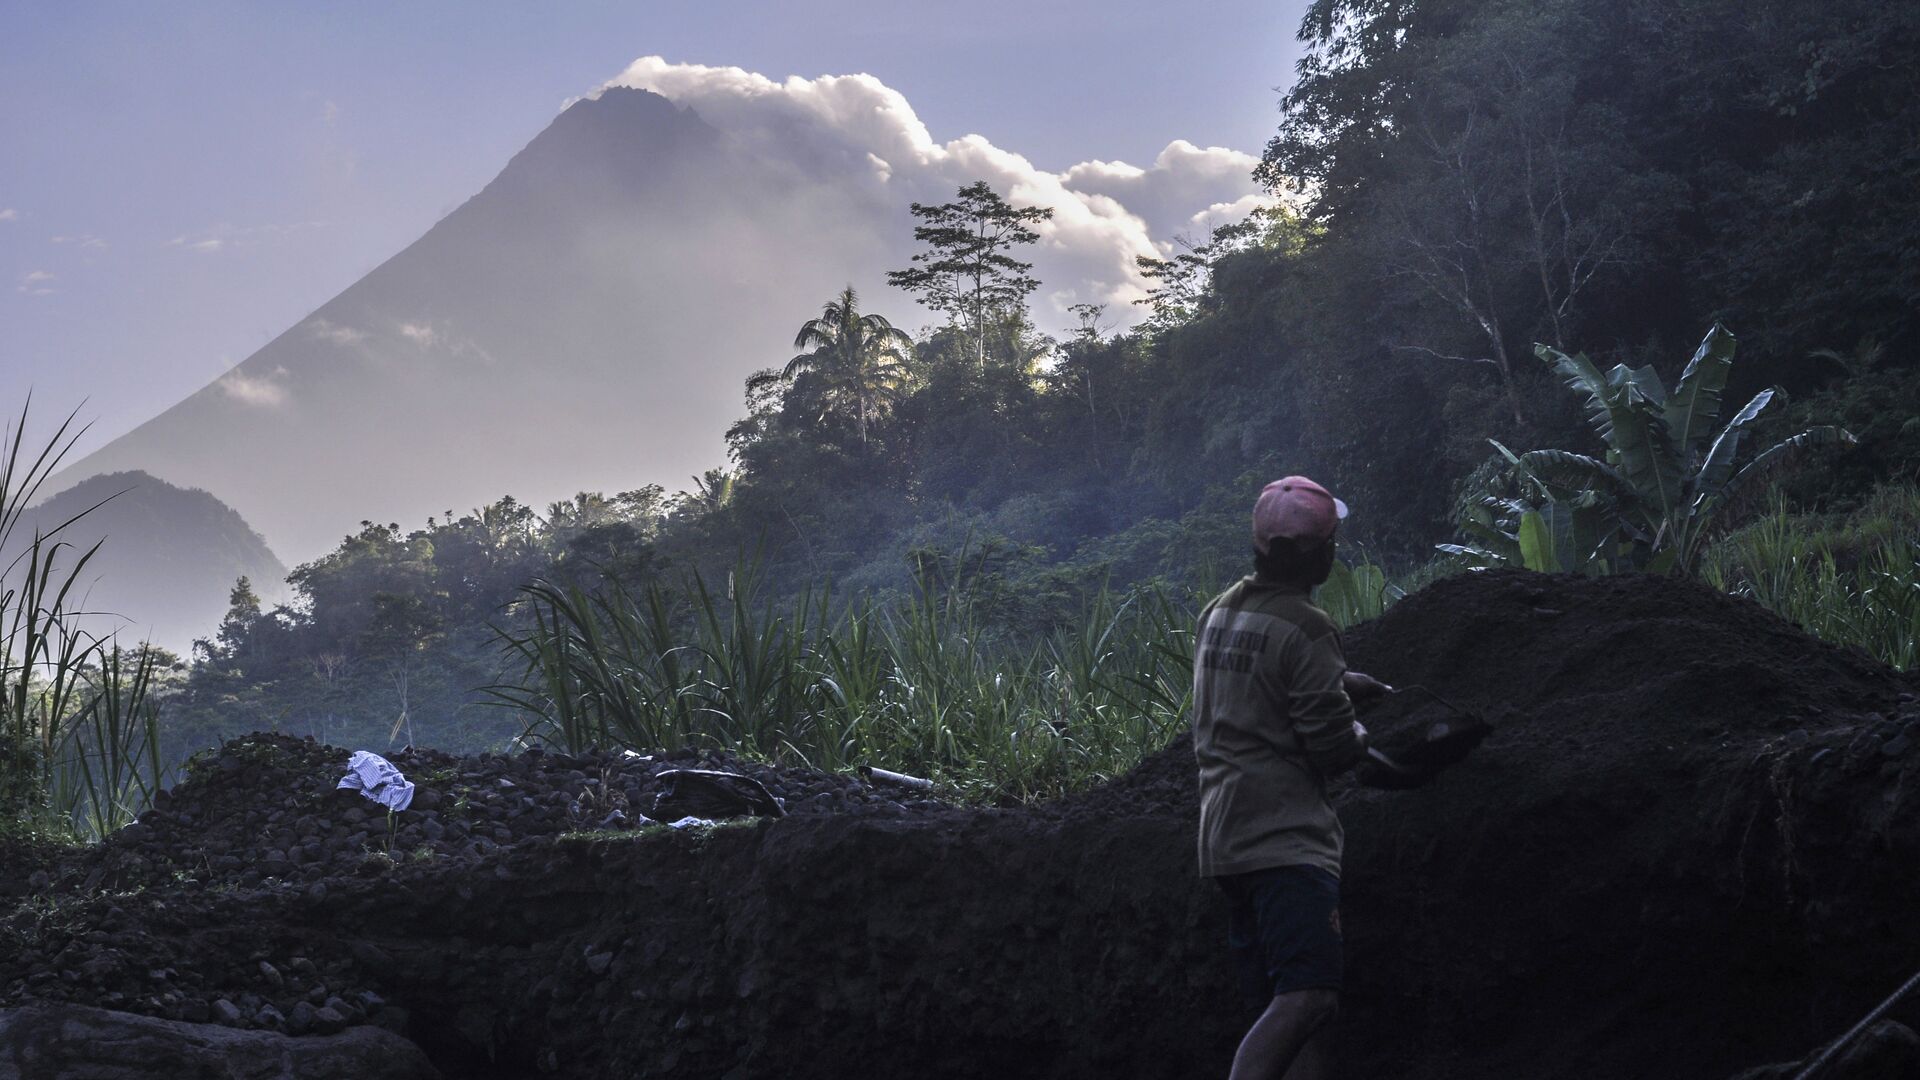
226	1012
327	1020
57	1040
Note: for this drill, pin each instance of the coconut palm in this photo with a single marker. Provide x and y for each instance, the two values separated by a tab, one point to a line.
860	360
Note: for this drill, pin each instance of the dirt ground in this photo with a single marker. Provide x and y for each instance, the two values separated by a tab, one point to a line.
1687	849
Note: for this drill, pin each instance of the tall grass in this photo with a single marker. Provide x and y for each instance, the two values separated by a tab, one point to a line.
78	722
1851	581
922	687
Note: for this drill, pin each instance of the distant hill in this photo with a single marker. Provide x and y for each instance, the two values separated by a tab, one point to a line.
169	558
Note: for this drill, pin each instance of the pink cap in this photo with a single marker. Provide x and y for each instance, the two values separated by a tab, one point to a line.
1296	508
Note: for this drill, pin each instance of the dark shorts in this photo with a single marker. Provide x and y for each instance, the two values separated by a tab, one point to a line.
1283	926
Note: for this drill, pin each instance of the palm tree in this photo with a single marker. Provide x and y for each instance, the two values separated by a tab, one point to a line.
861	360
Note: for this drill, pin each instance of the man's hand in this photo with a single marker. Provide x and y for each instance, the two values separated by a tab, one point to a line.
1363	687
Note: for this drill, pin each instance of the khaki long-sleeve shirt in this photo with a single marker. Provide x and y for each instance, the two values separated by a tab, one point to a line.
1271	722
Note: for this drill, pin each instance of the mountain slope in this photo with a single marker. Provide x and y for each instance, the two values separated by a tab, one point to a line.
585	321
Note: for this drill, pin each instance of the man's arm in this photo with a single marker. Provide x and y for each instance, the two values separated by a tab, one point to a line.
1322	712
1363	687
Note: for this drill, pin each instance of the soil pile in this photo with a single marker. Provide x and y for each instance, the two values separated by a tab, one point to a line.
1684	851
267	807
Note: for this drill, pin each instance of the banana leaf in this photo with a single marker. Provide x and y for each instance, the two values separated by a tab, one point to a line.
1785	450
1566	475
1536	544
1726	447
1635	429
1695	404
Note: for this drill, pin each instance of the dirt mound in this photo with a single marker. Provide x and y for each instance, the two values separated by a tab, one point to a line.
1683	852
1692	818
1617	653
267	808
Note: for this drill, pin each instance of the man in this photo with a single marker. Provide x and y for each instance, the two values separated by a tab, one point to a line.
1272	720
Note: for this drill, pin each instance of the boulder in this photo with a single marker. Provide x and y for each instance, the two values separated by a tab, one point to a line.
45	1041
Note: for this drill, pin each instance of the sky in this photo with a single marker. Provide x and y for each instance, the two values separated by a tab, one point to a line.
181	182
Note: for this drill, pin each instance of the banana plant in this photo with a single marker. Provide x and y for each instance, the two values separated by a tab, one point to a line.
1669	469
1356	593
1570	536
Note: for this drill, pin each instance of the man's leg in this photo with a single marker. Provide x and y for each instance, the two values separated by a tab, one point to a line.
1288	1042
1316	1058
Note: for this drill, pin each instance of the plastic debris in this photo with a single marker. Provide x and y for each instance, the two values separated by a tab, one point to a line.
690	822
883	776
705	793
375	777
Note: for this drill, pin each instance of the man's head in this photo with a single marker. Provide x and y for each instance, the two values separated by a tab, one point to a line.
1294	522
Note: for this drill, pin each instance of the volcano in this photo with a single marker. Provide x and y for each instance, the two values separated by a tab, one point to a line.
583	323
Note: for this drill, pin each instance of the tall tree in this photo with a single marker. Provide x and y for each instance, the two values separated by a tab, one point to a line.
968	270
861	359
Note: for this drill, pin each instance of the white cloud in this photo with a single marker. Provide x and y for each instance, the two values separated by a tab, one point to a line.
420	334
267	392
202	244
86	241
9	214
224	235
1106	213
333	333
36	282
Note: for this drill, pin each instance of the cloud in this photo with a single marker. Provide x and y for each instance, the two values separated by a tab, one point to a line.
86	241
202	244
1105	213
9	214
223	236
35	282
333	333
420	334
266	392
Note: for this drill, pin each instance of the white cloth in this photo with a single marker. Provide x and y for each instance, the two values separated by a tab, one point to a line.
375	777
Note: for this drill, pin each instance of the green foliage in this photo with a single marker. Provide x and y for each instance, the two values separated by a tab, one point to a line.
921	689
79	726
1851	581
41	649
1355	593
1670	470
